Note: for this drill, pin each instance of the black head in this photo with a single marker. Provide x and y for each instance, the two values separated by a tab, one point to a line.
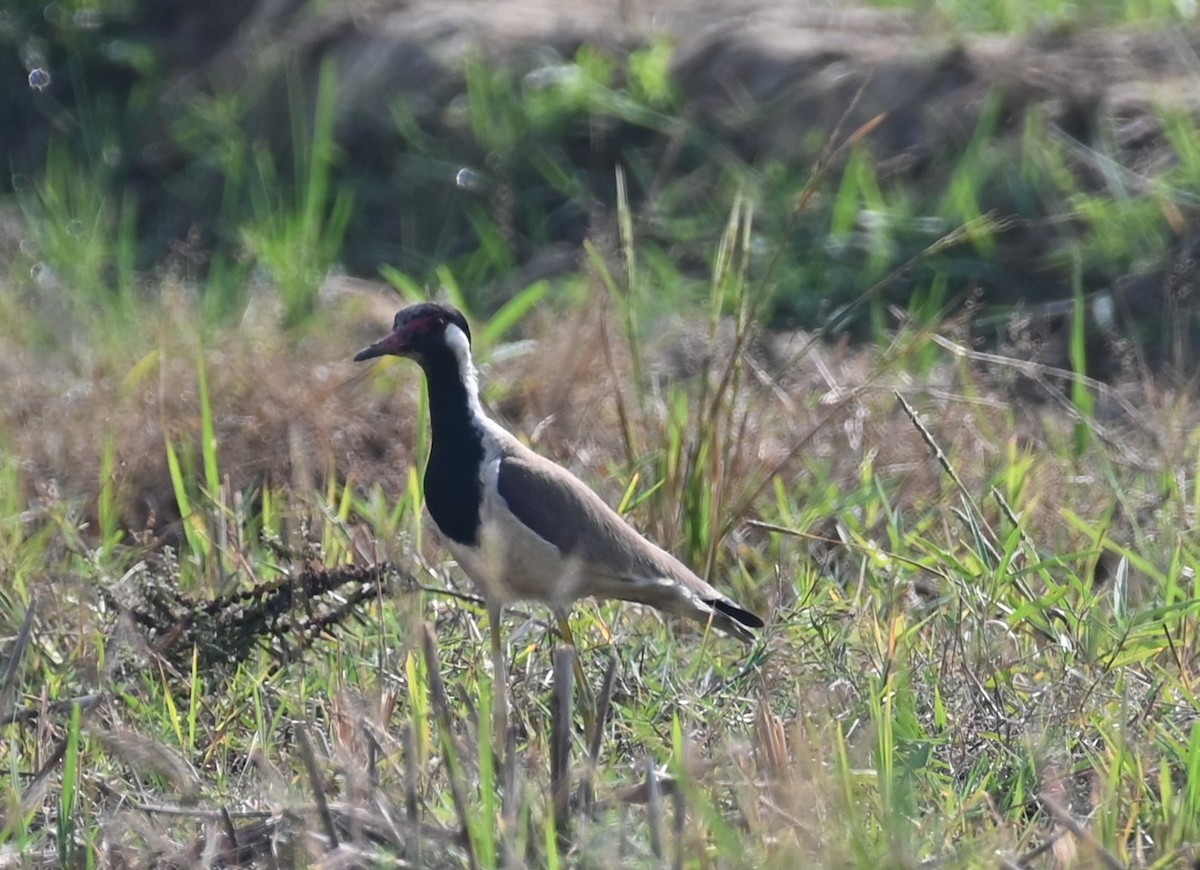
418	332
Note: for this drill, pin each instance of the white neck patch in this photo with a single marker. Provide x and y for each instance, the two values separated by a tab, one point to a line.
460	345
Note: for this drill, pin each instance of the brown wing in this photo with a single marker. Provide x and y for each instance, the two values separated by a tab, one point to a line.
562	510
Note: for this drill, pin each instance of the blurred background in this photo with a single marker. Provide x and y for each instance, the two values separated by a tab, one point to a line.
238	145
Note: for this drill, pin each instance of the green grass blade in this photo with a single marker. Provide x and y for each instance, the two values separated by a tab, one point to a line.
513	312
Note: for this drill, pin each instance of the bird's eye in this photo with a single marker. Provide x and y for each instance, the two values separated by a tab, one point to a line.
439	322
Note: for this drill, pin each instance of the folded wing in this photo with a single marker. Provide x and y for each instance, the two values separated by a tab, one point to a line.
563	511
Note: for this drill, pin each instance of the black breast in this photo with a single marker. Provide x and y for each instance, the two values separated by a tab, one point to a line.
453	489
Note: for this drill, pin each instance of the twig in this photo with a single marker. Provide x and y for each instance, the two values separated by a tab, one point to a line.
622	412
975	520
1032	369
955	237
409	741
12	671
641	793
32	796
1068	821
680	800
654	809
220	815
944	462
1029	857
510	807
318	785
231	846
373	750
441	709
560	744
23	715
603	707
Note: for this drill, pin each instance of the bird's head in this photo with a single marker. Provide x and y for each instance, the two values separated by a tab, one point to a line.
420	332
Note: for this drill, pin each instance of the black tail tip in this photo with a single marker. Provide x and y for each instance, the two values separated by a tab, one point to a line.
745	617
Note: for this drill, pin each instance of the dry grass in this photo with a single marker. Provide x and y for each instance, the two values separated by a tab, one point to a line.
951	670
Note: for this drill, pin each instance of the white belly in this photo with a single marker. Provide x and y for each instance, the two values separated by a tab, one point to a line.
512	563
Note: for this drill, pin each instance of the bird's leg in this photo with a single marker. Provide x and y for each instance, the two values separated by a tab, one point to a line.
587	701
499	684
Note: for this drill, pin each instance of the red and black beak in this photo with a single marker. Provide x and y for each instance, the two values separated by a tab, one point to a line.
395	344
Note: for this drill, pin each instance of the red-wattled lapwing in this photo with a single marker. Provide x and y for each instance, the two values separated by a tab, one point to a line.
522	527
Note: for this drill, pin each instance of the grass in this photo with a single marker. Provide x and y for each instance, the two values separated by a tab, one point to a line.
1023	16
980	624
227	637
273	201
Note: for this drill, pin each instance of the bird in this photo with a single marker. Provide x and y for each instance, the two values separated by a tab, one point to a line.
522	527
